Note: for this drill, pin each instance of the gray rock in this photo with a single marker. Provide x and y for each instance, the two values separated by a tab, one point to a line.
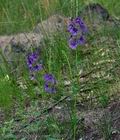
97	17
51	25
22	42
19	44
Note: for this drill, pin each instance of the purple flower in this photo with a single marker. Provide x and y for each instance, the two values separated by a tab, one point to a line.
49	78
77	28
72	29
50	83
81	40
33	66
36	68
49	89
31	58
73	43
82	25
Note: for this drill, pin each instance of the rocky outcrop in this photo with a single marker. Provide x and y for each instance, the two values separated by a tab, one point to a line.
97	17
22	42
51	25
19	43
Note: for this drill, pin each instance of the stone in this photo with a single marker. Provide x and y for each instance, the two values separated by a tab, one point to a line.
97	17
51	25
23	42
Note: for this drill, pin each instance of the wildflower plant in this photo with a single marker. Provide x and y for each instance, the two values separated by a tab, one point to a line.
31	62
50	83
35	67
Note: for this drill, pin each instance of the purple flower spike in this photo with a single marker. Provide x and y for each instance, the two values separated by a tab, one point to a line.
32	58
50	83
77	29
73	43
49	78
82	25
49	89
81	40
37	67
72	29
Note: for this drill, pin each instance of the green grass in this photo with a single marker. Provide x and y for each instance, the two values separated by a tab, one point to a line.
21	16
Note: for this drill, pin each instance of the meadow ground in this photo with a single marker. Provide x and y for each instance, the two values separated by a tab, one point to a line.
88	83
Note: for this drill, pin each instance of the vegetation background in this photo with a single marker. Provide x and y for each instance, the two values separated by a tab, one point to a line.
23	15
18	16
